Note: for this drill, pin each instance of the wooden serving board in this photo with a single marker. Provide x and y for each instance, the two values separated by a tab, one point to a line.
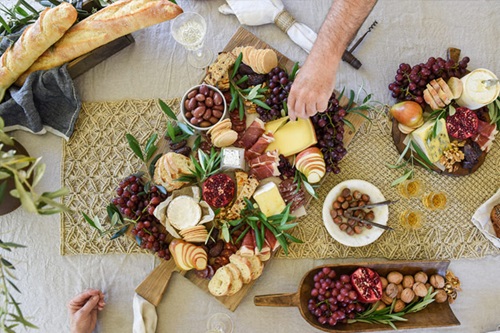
434	315
154	285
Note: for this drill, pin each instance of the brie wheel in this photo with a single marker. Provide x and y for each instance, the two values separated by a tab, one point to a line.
183	212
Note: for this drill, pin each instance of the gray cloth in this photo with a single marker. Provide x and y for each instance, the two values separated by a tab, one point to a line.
46	102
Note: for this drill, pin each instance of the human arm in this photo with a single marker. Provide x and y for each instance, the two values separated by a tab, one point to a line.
83	310
315	82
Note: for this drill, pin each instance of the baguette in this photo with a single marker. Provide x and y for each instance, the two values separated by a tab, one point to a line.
34	41
117	20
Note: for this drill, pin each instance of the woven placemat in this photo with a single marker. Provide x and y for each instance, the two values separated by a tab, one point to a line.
97	157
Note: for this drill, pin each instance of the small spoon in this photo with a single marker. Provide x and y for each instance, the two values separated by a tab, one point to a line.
490	83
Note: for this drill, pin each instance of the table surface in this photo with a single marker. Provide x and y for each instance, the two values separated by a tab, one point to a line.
154	67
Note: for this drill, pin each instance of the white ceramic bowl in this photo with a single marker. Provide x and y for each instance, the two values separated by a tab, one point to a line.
183	107
368	236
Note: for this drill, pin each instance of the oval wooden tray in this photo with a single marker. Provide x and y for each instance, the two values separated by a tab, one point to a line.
399	138
434	315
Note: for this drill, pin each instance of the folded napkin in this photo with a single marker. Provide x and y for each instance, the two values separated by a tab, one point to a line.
145	317
46	102
260	12
482	220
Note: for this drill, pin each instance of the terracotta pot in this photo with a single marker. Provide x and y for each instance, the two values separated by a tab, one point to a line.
8	203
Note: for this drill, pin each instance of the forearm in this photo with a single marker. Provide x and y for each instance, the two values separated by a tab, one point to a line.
339	28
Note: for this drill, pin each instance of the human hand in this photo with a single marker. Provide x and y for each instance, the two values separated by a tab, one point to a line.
83	310
311	89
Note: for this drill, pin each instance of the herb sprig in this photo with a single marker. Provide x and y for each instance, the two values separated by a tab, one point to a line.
204	167
11	315
253	219
356	106
494	112
386	315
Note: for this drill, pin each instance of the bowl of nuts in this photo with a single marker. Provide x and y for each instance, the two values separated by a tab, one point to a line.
203	106
343	212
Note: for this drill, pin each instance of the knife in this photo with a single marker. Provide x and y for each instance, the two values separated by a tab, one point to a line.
387	202
375	224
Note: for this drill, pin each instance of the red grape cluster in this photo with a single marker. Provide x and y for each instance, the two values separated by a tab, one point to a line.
138	205
410	82
333	300
279	86
287	170
329	128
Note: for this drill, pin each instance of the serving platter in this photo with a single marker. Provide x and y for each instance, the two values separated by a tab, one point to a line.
153	287
434	315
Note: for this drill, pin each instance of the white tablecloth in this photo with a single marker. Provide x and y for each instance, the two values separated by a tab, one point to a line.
154	66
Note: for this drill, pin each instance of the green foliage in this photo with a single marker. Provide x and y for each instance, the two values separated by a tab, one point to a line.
11	315
27	173
253	218
408	165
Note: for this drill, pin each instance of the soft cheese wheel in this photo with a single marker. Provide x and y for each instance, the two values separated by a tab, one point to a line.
183	212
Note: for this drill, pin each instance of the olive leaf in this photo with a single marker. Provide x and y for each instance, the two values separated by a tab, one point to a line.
167	110
294	71
134	145
237	64
404	177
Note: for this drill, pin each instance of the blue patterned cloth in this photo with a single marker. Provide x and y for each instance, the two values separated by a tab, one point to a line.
47	101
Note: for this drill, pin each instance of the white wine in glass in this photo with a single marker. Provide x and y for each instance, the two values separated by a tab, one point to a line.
189	30
219	323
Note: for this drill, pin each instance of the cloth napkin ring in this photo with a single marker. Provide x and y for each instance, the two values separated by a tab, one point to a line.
284	20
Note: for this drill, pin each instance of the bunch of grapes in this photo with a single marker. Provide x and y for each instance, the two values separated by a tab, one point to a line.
410	82
135	204
333	300
329	128
287	170
279	86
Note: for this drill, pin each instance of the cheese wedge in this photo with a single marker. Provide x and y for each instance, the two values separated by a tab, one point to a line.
269	199
432	147
293	137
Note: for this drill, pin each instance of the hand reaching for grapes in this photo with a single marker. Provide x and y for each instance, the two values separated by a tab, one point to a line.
83	310
312	87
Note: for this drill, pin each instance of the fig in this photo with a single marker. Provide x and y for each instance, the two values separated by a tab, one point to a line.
367	284
463	124
408	113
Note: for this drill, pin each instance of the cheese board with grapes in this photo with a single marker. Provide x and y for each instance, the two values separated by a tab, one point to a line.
446	116
224	188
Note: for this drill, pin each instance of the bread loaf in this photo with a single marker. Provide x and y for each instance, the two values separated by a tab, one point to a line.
34	41
495	219
108	24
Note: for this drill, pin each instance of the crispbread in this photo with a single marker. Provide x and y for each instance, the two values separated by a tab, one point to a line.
269	60
219	68
221	281
256	266
247	190
237	282
243	265
169	168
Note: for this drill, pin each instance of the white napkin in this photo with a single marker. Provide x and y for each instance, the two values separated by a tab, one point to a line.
482	220
260	12
145	317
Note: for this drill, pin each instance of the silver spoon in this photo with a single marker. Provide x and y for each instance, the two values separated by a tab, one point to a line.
490	83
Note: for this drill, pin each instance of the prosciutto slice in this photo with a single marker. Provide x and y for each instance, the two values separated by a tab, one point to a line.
268	157
265	170
248	244
252	134
259	146
486	135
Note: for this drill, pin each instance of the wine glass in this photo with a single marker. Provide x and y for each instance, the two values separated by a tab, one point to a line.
189	30
219	323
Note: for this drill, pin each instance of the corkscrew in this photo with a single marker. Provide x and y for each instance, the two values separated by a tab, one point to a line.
349	57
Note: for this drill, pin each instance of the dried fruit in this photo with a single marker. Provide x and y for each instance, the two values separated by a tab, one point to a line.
419	289
395	277
463	124
407	295
408	281
421	277
367	284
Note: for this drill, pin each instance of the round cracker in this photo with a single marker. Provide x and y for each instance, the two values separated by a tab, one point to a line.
225	139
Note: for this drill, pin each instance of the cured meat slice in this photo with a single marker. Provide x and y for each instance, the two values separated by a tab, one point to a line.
271	240
268	157
486	129
484	142
252	134
259	146
248	244
265	170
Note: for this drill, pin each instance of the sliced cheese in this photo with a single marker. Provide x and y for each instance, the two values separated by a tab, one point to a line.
183	212
269	199
293	137
274	125
432	147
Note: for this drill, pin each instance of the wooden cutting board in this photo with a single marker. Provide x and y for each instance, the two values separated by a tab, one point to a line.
153	287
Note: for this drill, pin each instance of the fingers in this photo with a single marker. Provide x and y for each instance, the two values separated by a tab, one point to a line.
82	299
92	304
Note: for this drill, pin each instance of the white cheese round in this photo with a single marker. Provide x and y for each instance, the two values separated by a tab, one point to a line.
183	212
